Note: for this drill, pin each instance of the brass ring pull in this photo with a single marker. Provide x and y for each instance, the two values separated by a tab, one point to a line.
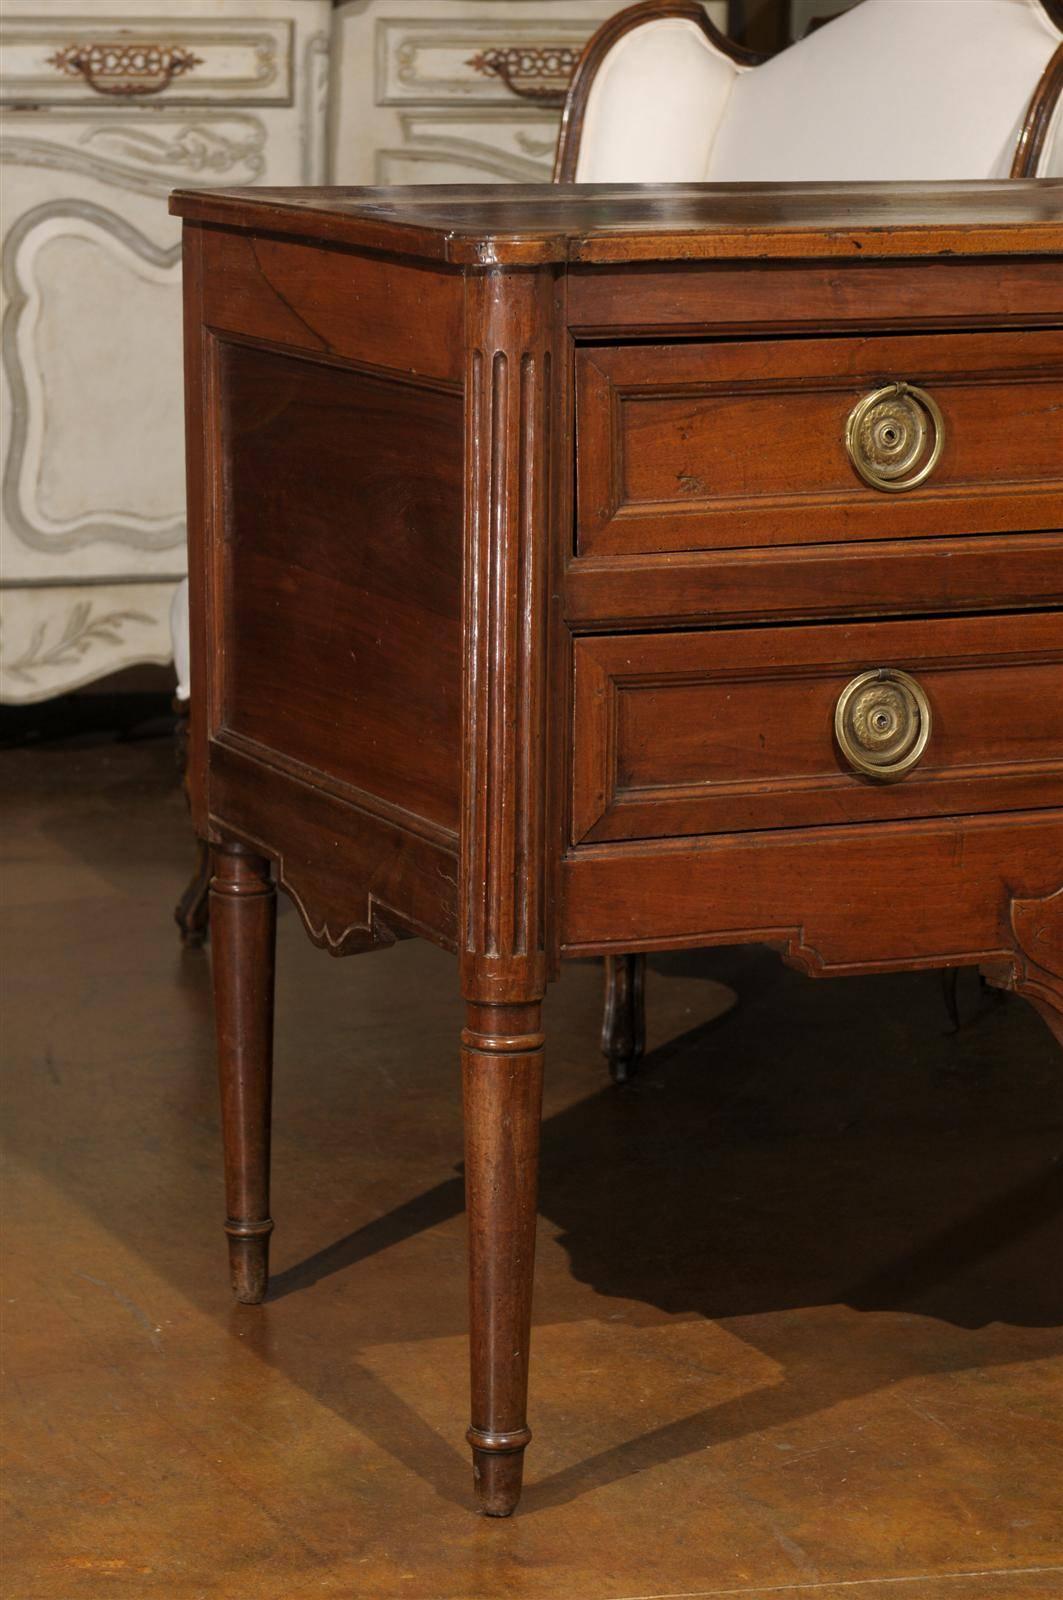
882	723
895	436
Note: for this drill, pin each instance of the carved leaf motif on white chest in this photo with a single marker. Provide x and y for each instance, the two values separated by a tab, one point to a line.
145	155
204	148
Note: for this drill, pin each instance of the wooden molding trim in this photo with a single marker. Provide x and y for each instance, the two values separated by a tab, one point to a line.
358	879
598	46
1038	120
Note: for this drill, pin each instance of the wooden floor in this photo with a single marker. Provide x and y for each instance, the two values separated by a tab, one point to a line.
799	1300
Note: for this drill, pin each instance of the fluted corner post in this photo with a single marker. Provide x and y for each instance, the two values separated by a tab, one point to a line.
1036	926
243	907
624	1017
512	404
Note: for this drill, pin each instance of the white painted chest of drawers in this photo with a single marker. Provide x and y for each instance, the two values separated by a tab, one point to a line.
105	110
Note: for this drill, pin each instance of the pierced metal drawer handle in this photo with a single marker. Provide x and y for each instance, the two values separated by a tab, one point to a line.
532	72
882	723
125	68
895	436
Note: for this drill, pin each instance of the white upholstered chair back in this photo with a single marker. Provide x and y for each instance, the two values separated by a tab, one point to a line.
892	90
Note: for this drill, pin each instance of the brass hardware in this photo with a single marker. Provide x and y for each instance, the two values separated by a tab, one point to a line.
532	72
125	68
895	436
882	723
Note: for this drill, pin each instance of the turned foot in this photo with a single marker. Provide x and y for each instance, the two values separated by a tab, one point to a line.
498	1469
249	1260
624	1019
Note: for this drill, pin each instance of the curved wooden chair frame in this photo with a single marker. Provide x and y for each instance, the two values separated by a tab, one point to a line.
1042	108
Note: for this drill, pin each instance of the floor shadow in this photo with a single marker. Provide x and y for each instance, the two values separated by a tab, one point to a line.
426	1210
856	1154
822	1146
733	1181
758	1182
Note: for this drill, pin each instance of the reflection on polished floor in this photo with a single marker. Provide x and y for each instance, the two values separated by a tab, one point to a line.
799	1315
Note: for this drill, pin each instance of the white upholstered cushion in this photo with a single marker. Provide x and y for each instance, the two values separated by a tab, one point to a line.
895	89
654	106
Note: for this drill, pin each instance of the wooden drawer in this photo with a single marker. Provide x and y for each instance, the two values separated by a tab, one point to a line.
724	731
732	444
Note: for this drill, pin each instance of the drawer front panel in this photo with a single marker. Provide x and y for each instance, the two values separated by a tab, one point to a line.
734	445
692	733
144	60
465	60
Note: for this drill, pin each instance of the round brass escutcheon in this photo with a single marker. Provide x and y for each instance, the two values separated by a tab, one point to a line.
895	436
882	723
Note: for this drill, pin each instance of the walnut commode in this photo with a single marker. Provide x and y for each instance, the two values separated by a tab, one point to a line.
582	572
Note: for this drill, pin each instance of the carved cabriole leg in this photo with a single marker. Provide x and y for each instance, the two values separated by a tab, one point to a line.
502	1076
243	917
511	406
1037	971
624	1019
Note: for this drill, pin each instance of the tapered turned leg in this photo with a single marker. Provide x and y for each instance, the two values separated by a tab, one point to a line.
243	918
624	1019
502	1071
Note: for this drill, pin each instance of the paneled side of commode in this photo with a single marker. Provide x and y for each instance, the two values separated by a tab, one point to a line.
343	498
327	613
